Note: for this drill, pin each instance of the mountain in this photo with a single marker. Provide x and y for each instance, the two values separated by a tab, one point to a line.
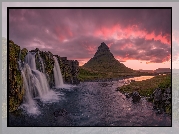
104	61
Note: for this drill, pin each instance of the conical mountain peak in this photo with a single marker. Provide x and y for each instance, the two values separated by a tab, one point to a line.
103	46
104	60
103	49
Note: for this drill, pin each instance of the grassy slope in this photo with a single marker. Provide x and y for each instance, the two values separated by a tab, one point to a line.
146	87
86	74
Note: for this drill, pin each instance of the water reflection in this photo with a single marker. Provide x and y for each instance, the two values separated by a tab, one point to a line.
141	78
127	81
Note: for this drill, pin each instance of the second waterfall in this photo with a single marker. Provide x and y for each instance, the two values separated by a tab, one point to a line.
57	74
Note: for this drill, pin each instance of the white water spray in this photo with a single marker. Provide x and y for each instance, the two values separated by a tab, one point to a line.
30	60
36	85
57	74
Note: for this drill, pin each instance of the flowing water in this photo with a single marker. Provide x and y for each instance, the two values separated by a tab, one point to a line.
57	74
93	104
86	104
36	86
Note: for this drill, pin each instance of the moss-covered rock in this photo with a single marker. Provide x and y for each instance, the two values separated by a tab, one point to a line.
16	89
24	52
69	69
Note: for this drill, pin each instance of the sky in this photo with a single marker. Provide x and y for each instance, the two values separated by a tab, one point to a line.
139	38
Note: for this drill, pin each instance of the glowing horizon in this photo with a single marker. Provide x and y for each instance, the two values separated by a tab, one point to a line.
134	40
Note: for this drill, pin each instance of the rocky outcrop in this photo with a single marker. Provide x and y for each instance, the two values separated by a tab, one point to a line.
44	63
69	69
161	99
16	88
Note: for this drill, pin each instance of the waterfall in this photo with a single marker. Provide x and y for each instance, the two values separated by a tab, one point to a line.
35	84
30	60
57	74
42	63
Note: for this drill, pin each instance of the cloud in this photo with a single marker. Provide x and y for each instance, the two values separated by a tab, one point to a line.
139	34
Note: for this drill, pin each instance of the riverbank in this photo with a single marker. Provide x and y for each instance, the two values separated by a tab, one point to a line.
157	90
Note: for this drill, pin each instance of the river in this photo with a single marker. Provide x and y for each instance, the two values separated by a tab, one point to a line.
92	104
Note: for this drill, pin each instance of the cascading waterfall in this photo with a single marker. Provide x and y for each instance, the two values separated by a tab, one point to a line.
57	74
35	84
42	63
30	60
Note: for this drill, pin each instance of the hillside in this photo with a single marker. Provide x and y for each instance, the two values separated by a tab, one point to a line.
104	61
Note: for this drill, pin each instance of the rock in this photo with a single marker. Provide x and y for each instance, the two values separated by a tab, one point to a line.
157	95
159	111
136	97
69	69
60	112
161	99
128	95
16	88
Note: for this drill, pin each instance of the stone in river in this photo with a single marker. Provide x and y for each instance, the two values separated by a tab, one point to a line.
136	97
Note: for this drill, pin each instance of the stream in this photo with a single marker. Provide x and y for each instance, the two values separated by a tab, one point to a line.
91	104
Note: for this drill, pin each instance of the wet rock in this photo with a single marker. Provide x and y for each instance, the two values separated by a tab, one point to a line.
159	111
136	97
16	88
128	95
60	112
69	69
161	99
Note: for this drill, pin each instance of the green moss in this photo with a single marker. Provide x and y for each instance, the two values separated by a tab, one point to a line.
168	109
147	87
24	52
16	89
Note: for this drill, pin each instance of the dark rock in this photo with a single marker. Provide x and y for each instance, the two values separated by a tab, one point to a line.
69	69
60	112
161	99
159	111
136	97
128	95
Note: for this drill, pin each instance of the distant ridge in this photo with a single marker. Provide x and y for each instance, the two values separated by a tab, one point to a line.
104	61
